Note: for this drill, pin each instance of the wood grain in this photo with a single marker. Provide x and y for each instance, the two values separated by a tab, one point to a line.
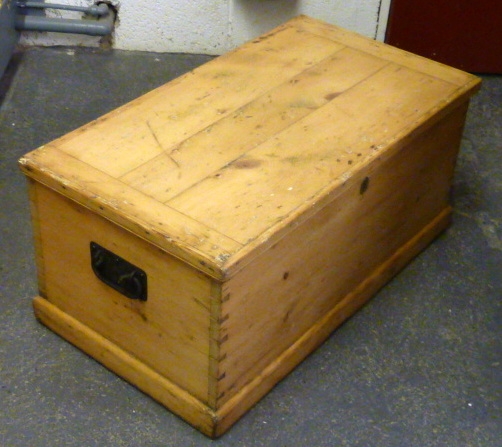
354	40
261	189
207	152
159	121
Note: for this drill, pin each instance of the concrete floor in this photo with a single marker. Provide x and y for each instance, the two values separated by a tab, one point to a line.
420	365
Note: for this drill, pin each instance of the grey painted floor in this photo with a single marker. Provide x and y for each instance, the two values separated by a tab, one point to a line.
420	365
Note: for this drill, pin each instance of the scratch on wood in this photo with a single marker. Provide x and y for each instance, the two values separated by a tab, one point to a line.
160	145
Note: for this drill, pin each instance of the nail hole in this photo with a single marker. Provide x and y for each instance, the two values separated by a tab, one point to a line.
364	185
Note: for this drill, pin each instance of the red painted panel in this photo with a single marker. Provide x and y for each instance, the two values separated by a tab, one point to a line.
466	34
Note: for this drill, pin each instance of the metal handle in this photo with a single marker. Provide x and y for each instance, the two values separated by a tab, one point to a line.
118	273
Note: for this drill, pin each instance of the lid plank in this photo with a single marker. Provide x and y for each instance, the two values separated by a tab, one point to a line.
206	152
157	123
292	169
311	26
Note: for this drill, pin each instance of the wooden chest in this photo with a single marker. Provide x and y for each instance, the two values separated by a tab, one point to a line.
201	240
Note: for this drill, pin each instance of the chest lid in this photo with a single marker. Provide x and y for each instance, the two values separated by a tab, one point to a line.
219	162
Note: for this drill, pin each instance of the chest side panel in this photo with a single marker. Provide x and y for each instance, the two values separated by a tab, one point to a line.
169	332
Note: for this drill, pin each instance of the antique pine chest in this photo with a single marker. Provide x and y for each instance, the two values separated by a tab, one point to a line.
201	240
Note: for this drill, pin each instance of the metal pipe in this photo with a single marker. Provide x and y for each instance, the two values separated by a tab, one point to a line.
100	27
93	10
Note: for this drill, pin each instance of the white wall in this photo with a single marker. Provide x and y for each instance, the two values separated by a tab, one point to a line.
214	26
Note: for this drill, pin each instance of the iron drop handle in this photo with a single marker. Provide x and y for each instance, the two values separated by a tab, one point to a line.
118	273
